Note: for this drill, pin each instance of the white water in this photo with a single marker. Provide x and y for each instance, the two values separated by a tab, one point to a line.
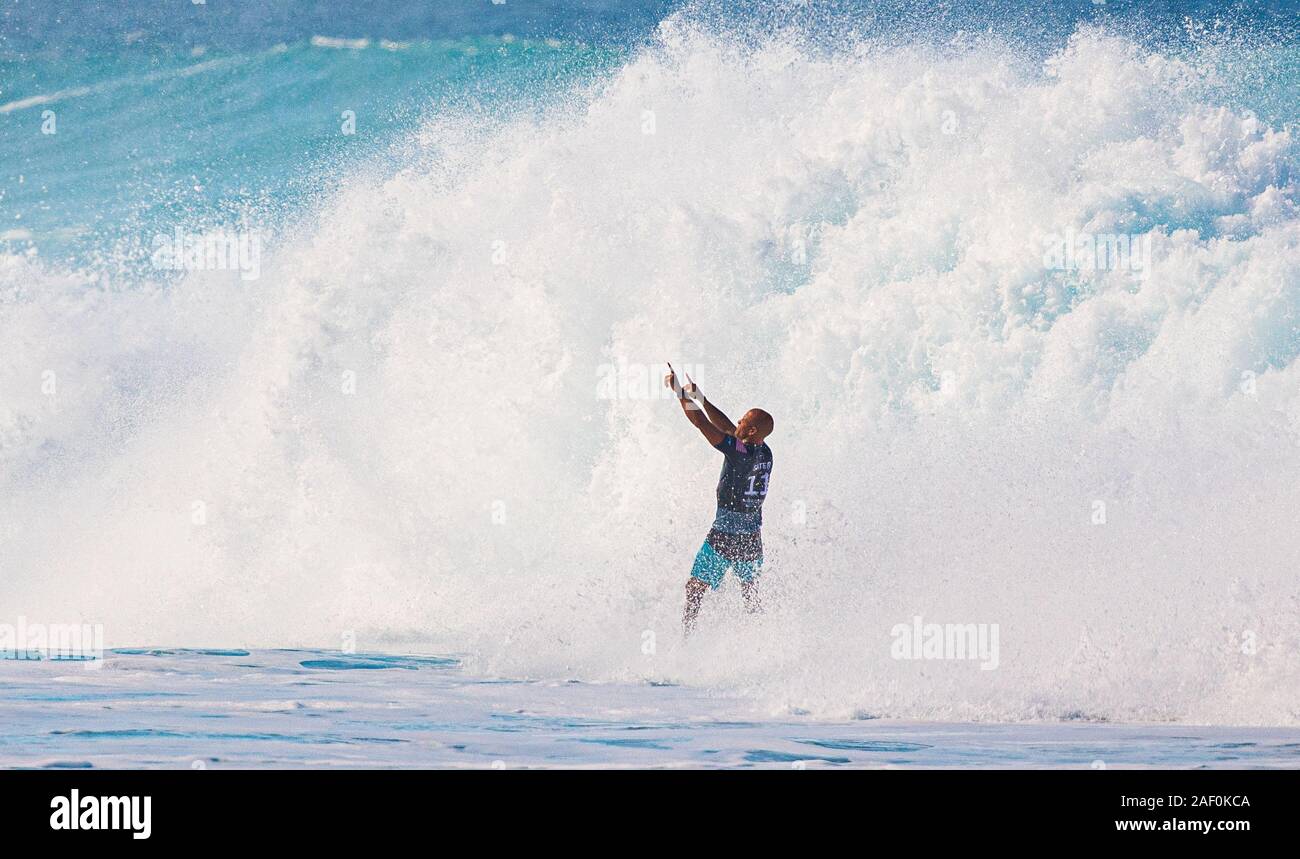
284	708
948	412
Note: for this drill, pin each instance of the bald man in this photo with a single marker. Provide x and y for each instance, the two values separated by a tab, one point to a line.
735	541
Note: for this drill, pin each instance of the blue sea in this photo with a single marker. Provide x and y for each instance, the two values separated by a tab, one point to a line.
221	112
239	709
331	328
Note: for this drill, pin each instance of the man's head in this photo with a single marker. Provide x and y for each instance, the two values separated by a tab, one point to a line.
755	426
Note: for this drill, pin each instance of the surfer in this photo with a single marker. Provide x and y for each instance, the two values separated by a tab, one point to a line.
735	541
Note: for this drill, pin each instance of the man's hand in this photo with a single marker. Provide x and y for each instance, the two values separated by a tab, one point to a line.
670	382
712	423
689	391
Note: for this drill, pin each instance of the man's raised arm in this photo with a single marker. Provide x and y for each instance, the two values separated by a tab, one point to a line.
720	422
696	413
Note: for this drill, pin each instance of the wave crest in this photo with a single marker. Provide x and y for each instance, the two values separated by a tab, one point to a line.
398	431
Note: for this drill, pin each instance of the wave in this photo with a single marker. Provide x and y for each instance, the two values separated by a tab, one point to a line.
400	434
107	86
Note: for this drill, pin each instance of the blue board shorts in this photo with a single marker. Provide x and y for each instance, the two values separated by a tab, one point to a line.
710	567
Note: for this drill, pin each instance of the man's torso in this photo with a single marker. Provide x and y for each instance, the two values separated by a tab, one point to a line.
736	533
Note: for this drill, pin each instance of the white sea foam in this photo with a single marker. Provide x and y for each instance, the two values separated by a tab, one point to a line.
333	42
395	435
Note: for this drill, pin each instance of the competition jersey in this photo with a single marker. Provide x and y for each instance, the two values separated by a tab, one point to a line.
742	487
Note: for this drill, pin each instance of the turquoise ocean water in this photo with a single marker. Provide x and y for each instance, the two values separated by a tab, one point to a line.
392	432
